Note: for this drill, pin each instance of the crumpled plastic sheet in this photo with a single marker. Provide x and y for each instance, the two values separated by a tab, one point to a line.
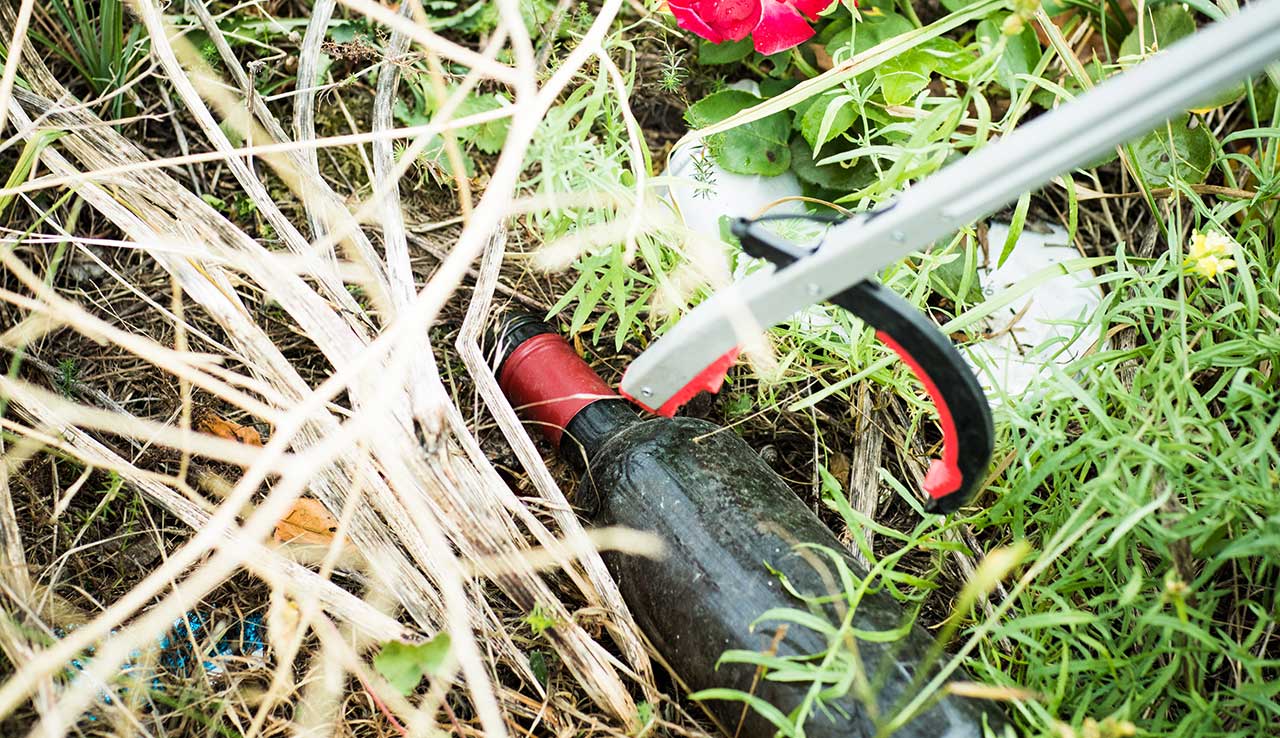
185	644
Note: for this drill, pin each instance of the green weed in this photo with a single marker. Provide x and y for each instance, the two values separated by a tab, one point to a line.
540	620
99	40
1141	478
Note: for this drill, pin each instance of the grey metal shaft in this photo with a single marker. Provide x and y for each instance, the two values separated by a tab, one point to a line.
1118	110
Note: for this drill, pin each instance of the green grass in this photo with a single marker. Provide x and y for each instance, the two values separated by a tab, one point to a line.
99	40
1141	480
1161	612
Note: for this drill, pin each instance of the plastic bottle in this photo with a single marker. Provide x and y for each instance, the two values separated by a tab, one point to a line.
727	519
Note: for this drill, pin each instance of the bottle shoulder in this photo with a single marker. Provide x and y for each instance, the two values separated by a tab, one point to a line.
648	432
690	461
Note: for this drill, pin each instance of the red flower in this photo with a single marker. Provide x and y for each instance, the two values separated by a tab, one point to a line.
774	25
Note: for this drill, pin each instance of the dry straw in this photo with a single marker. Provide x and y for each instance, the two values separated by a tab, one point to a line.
432	518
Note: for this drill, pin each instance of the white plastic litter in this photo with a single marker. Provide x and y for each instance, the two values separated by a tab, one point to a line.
1040	328
1026	337
702	200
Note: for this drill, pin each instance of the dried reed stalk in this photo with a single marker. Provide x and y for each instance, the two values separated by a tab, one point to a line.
421	502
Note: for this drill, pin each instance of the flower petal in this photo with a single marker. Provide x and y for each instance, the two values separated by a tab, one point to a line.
688	19
781	27
811	8
734	19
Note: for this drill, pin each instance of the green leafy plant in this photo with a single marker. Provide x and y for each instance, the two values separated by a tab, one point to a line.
672	77
68	372
758	147
485	137
538	665
404	665
584	148
540	620
99	40
1103	629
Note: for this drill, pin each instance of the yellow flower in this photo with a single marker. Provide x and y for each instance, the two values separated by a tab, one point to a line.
1012	25
1210	254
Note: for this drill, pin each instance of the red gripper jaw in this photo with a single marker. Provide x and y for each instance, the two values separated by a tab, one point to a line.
708	380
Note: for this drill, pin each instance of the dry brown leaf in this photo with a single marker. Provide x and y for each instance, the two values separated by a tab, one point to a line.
822	59
210	422
308	521
1060	20
839	466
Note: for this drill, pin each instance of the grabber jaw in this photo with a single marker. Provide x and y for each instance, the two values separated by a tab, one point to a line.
968	436
709	379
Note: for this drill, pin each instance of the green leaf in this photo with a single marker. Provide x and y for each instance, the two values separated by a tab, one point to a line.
885	636
1220	99
215	202
797	617
1015	228
232	133
950	277
877	31
724	53
737	406
832	178
1175	152
779	63
904	76
1020	55
346	31
541	619
771	87
954	5
408	116
830	485
873	31
947	57
871	9
538	664
827	117
436	155
758	147
838	27
244	207
488	137
644	712
1160	28
404	664
1265	94
717	106
759	705
726	231
484	17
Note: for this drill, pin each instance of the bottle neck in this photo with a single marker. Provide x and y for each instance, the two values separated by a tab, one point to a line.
553	388
593	426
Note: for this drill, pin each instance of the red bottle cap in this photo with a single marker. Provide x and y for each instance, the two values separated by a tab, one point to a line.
548	383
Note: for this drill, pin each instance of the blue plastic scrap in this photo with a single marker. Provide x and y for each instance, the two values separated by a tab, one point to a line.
178	648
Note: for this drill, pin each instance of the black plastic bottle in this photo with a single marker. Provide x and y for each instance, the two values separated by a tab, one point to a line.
724	515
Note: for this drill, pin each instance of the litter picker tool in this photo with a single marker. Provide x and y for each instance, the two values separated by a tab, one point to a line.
695	354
